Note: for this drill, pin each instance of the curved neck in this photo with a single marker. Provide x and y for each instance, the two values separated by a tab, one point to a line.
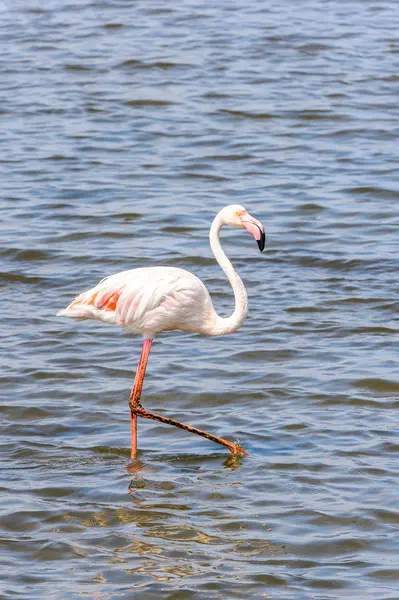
221	325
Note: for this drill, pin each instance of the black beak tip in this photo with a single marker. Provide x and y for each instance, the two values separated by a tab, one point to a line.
261	242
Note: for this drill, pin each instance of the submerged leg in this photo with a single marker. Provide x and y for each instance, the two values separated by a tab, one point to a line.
135	395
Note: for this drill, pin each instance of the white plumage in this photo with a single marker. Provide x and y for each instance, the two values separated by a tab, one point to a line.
147	301
155	299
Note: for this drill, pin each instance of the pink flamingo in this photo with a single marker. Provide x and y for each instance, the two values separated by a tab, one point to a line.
155	299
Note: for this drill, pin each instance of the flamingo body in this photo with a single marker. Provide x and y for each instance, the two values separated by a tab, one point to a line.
147	301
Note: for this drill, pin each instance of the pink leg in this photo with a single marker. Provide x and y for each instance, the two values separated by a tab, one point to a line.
137	410
135	395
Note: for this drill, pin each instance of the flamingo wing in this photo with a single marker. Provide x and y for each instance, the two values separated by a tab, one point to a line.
145	300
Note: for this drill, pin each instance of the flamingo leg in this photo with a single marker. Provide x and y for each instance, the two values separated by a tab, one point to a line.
136	410
234	448
135	395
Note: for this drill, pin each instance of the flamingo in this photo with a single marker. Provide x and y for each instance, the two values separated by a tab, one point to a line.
150	300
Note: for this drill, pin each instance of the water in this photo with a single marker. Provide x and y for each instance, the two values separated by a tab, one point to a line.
125	127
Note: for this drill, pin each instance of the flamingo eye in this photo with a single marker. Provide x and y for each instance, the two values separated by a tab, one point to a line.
240	213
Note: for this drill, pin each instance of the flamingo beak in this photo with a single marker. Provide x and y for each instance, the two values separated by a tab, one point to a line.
256	228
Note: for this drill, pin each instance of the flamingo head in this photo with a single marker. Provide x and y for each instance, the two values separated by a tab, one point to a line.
237	216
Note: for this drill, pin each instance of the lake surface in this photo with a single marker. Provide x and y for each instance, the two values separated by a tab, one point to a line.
125	127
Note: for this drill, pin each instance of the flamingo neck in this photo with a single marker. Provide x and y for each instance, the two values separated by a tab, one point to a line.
221	325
